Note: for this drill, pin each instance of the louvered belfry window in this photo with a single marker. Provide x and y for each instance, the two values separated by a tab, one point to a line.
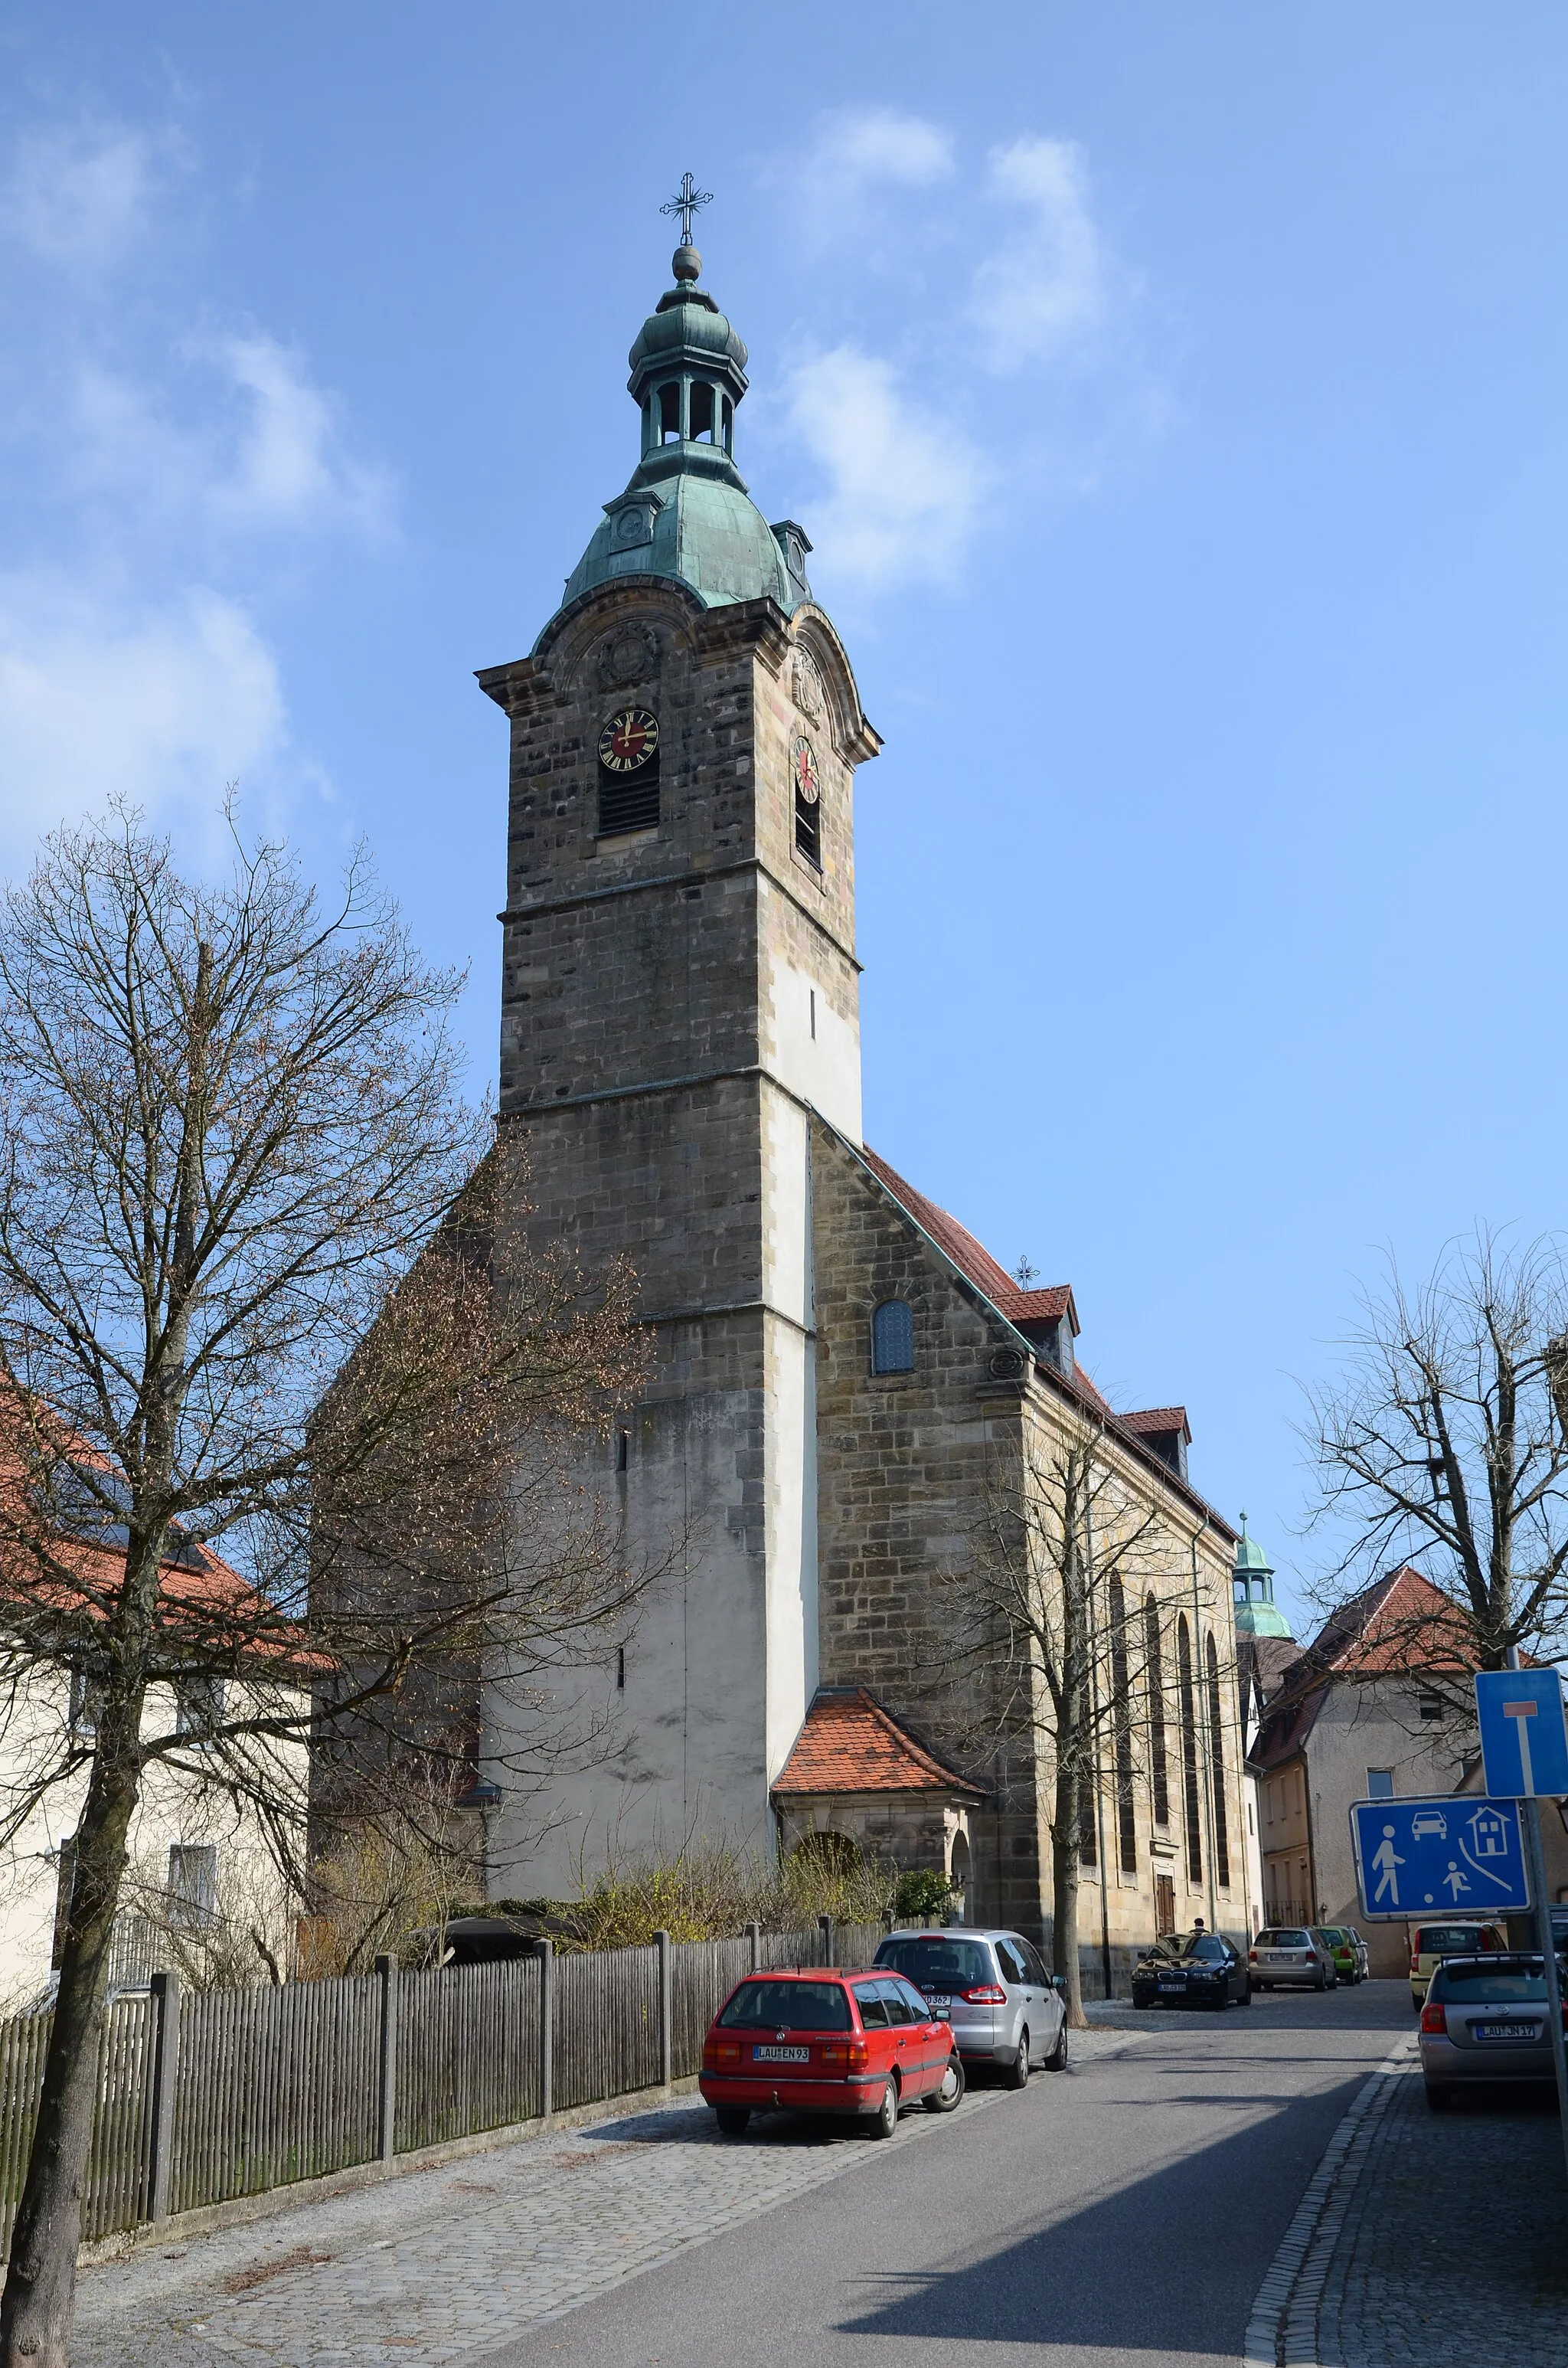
893	1337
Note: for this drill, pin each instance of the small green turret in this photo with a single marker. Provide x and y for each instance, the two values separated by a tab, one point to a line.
685	512
1252	1575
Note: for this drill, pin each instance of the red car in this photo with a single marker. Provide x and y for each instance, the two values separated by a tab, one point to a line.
825	2042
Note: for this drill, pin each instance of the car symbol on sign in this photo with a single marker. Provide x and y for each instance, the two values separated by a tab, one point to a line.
1429	1821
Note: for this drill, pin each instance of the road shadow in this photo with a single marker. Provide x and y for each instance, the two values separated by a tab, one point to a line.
1155	2267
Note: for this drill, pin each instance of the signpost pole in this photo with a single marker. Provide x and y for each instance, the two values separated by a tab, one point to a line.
1535	1858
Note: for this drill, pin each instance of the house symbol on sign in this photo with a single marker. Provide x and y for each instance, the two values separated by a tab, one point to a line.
1489	1835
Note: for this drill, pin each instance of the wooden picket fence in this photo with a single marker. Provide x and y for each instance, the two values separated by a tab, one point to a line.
206	2096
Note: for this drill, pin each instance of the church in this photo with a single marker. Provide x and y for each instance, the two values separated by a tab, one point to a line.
839	1369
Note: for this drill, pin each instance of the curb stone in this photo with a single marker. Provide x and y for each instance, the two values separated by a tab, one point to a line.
1283	2329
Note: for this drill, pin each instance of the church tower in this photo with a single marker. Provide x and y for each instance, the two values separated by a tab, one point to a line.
679	993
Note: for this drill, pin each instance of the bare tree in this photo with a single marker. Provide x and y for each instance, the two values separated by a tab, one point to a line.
1445	1439
1047	1615
230	1148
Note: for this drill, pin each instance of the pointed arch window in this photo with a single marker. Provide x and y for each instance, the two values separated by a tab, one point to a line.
1121	1721
1217	1770
893	1337
1155	1678
1191	1799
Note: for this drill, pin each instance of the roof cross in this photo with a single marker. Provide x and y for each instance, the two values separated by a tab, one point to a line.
687	199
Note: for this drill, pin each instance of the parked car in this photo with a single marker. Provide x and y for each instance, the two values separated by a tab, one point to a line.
1486	2019
1004	2007
859	2043
1292	1956
1351	1961
1430	1944
1192	1969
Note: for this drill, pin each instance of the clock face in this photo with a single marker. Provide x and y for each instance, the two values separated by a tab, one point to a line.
806	771
629	740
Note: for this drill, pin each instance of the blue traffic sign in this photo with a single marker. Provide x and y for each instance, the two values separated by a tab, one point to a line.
1524	1744
1461	1855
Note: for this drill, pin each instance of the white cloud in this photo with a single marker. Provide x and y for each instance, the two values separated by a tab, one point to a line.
77	199
98	698
1044	288
289	467
903	490
859	147
262	452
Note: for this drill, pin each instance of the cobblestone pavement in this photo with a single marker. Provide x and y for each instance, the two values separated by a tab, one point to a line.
459	2259
1454	2250
1436	2240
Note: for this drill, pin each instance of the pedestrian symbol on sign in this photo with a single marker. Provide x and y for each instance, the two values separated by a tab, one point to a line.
1385	1858
1456	1881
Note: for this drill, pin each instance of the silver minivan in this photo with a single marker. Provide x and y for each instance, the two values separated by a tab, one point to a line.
1002	2004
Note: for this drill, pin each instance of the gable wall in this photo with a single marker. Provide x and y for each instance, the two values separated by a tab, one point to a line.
901	1463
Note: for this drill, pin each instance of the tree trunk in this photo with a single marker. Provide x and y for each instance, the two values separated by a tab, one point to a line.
1064	1889
41	2281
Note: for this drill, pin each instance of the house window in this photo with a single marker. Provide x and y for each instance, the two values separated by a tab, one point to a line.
1191	1798
893	1337
1429	1705
1153	1662
82	1713
198	1707
1380	1783
193	1886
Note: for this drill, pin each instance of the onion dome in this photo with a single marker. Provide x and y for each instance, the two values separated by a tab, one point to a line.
1251	1576
685	512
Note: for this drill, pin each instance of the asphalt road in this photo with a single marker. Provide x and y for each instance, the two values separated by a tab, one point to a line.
1124	2213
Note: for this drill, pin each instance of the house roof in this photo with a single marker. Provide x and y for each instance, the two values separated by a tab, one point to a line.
205	1608
1022	1308
1158	1422
1400	1626
850	1744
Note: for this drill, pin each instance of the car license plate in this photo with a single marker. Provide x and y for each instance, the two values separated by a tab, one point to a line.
1274	1957
781	2056
1506	2029
1173	1986
940	2005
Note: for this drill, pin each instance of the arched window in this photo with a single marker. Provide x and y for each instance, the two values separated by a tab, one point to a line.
1191	1800
1155	1678
893	1337
1121	1718
1217	1770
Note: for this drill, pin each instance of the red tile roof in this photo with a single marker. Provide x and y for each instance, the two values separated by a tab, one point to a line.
1155	1421
1025	1307
1400	1626
947	1232
850	1744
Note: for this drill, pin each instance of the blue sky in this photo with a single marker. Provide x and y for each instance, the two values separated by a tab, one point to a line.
1175	399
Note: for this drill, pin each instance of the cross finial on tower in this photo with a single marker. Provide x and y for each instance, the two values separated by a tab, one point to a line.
688	201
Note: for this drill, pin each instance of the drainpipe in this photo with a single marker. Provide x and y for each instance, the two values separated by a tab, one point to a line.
1200	1708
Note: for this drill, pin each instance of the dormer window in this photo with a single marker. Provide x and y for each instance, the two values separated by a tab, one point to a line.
893	1337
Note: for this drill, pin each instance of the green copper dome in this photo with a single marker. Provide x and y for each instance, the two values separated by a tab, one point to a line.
685	512
1252	1575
